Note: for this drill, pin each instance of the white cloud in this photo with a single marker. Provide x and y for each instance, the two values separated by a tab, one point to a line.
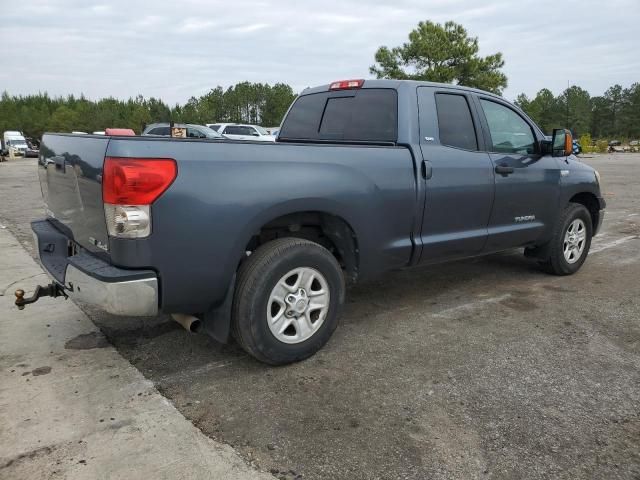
244	29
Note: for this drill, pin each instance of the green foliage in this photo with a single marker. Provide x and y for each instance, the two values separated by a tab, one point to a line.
586	143
245	102
441	53
616	114
601	146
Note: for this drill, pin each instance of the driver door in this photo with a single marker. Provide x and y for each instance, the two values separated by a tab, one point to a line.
527	184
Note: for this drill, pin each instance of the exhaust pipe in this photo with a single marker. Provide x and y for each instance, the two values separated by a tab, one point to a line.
188	322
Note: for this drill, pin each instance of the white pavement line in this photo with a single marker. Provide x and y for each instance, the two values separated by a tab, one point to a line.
447	312
611	244
87	414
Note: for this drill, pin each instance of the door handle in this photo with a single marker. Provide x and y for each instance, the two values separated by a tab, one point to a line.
427	170
504	169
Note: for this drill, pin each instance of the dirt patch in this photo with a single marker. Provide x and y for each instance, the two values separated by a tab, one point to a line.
87	341
518	303
27	456
40	371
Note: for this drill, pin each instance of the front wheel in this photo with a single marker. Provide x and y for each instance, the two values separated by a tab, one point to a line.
287	300
571	241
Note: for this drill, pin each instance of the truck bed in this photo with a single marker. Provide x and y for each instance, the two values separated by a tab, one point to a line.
225	191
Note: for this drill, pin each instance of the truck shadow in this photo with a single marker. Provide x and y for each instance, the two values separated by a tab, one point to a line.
160	344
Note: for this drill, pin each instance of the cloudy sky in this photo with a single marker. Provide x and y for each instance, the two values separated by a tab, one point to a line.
174	50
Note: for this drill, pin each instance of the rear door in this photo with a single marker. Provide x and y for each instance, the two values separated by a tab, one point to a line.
527	183
458	174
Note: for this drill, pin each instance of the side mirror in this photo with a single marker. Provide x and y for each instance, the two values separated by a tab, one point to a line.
561	143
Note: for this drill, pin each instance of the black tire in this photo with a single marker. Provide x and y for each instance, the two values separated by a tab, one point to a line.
556	263
257	277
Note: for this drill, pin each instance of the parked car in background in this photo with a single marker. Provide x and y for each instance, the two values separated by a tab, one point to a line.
8	136
577	148
634	143
16	146
615	143
237	131
193	131
33	150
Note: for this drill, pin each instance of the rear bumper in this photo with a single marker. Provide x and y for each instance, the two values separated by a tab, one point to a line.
92	280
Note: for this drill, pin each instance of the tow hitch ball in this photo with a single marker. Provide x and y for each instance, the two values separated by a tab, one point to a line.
52	290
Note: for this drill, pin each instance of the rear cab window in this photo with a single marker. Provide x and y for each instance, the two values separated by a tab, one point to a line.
363	115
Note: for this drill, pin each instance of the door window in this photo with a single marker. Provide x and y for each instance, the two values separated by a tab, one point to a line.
239	130
455	123
193	133
160	131
509	132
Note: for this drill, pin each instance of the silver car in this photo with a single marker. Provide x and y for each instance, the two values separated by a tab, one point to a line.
192	130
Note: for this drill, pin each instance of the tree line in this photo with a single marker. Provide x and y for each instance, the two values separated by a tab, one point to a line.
244	102
615	114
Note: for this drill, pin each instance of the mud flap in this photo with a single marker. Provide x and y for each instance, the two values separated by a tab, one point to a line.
217	321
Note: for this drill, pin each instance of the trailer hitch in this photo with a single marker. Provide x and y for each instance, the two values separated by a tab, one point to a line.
52	290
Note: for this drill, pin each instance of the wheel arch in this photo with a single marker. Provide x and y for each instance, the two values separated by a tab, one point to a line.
590	201
321	225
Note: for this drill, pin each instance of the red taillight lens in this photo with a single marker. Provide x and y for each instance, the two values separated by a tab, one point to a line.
346	84
136	181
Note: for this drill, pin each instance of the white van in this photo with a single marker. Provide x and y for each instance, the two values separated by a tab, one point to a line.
14	143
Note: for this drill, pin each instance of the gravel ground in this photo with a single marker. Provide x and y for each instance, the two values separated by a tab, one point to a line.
485	368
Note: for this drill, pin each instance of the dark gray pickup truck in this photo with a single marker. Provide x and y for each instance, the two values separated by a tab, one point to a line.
256	241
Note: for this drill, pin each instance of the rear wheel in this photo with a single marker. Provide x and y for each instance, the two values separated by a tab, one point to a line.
287	300
571	241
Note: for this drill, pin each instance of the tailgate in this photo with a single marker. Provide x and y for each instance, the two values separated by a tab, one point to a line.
70	172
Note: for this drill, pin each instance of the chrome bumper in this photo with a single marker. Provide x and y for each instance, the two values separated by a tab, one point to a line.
93	281
138	298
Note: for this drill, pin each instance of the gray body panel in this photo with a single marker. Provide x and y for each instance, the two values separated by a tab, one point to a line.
226	191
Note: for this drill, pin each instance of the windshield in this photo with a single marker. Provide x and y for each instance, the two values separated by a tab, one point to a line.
211	133
261	130
17	142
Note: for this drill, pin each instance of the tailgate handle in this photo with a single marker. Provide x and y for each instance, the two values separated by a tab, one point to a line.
60	162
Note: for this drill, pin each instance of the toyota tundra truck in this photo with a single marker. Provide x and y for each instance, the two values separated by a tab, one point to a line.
256	241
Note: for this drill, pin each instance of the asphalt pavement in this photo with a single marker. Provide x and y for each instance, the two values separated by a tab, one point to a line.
483	368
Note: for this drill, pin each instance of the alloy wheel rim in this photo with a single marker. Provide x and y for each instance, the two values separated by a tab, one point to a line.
298	305
575	239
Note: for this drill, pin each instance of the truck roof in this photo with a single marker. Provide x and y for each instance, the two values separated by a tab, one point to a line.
397	84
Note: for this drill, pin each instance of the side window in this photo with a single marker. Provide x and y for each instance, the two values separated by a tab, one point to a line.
238	130
509	132
455	123
193	133
159	131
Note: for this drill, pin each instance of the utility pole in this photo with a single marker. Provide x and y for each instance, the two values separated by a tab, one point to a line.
567	122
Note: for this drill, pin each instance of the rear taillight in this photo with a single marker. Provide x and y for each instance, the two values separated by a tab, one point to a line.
129	187
346	84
